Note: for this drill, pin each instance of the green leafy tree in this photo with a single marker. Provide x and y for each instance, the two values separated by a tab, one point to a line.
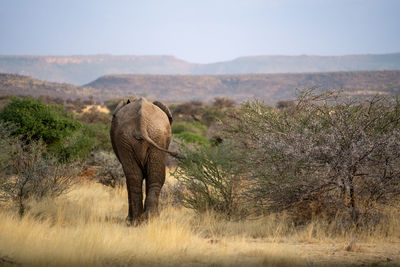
35	120
64	136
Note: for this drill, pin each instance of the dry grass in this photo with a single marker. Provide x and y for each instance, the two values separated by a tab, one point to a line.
98	108
87	227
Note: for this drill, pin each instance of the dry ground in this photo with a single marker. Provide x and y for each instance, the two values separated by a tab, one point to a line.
87	227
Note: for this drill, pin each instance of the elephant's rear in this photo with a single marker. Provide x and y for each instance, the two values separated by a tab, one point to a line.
138	123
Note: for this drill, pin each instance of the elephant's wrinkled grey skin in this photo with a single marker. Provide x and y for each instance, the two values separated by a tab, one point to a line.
140	136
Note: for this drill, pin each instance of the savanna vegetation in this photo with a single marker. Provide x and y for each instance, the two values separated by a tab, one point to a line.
310	182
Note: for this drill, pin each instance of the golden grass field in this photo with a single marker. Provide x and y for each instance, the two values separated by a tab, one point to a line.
86	227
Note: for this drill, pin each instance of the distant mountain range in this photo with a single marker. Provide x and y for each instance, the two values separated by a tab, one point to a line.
80	70
179	88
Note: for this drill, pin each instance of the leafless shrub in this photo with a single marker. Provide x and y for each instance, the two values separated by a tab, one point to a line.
285	104
327	155
74	105
224	102
27	171
110	172
188	110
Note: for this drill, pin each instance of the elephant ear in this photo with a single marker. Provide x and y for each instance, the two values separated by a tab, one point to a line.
164	108
119	106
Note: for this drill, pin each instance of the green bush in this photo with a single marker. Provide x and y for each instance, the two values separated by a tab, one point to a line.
188	126
100	132
77	145
189	137
35	120
210	179
65	137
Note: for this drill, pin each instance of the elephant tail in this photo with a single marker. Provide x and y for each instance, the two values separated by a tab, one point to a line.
172	153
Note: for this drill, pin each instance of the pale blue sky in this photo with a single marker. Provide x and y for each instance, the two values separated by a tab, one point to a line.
199	31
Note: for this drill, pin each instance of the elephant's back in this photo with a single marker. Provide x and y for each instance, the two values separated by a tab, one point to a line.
142	117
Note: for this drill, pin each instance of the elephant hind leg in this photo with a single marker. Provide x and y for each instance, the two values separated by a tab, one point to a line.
154	181
134	181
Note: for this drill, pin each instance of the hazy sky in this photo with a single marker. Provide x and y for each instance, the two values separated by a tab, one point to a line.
199	31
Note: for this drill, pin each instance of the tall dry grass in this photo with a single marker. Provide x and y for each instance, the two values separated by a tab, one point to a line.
87	227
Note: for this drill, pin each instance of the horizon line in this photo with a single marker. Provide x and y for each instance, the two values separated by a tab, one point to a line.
190	62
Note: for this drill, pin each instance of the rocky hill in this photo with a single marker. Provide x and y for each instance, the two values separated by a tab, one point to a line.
12	84
269	87
180	88
79	70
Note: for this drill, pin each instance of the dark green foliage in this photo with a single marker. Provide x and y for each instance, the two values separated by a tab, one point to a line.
211	179
77	145
64	136
35	120
100	132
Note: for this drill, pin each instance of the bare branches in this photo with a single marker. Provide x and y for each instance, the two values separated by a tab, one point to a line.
326	141
29	172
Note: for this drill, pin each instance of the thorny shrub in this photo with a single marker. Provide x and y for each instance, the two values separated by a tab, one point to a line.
326	155
110	172
323	156
28	171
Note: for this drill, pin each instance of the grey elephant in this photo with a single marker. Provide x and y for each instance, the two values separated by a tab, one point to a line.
140	136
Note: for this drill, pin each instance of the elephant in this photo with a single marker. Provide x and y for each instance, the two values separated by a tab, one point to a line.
140	135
